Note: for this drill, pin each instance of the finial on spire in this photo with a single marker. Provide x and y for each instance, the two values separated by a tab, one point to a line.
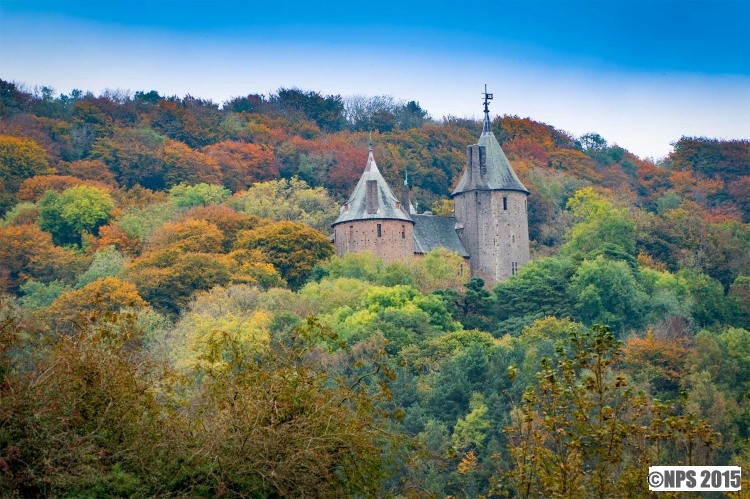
487	98
370	141
406	176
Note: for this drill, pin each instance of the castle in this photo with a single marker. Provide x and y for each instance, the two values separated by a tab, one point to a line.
489	228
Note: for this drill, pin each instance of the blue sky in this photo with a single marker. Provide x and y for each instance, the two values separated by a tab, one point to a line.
640	73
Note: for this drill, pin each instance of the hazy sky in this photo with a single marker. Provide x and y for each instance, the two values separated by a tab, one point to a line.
642	74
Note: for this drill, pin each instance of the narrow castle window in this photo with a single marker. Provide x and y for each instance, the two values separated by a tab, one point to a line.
351	232
505	203
403	232
380	234
513	238
513	268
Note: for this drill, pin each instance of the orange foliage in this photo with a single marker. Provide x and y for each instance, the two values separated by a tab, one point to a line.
226	219
349	163
525	148
139	197
32	189
653	177
184	164
103	295
508	128
94	170
112	235
575	163
26	251
661	361
647	261
197	236
243	164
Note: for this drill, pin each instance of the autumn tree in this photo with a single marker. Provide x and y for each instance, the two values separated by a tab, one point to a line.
292	248
107	294
582	431
32	189
80	413
228	221
28	252
19	159
242	164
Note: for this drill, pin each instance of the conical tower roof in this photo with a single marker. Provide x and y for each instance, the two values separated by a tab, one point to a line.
387	206
500	175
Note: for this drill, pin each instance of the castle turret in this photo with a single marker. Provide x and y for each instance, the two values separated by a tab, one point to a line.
374	219
490	206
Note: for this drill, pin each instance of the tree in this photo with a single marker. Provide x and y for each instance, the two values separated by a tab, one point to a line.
581	431
197	236
135	156
656	361
167	277
228	221
107	262
539	289
189	196
292	248
183	164
19	159
326	111
28	252
94	170
77	210
599	224
242	164
606	292
32	189
288	200
106	294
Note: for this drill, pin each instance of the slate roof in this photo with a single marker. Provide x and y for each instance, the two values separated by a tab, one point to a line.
500	174
432	232
357	209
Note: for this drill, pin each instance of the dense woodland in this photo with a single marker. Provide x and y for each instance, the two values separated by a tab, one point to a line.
174	323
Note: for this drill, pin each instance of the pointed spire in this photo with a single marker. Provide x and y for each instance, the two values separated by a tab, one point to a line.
498	174
372	198
371	165
487	98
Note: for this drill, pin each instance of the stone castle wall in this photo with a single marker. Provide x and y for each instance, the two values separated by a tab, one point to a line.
495	232
396	239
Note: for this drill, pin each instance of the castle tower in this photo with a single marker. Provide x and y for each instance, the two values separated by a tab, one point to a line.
374	219
490	209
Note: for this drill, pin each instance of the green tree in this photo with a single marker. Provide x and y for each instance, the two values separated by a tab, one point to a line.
189	196
606	292
107	263
600	224
77	210
288	200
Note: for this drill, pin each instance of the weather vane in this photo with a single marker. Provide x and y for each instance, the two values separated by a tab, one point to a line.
487	99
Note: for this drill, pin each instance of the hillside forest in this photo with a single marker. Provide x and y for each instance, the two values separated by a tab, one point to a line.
174	322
